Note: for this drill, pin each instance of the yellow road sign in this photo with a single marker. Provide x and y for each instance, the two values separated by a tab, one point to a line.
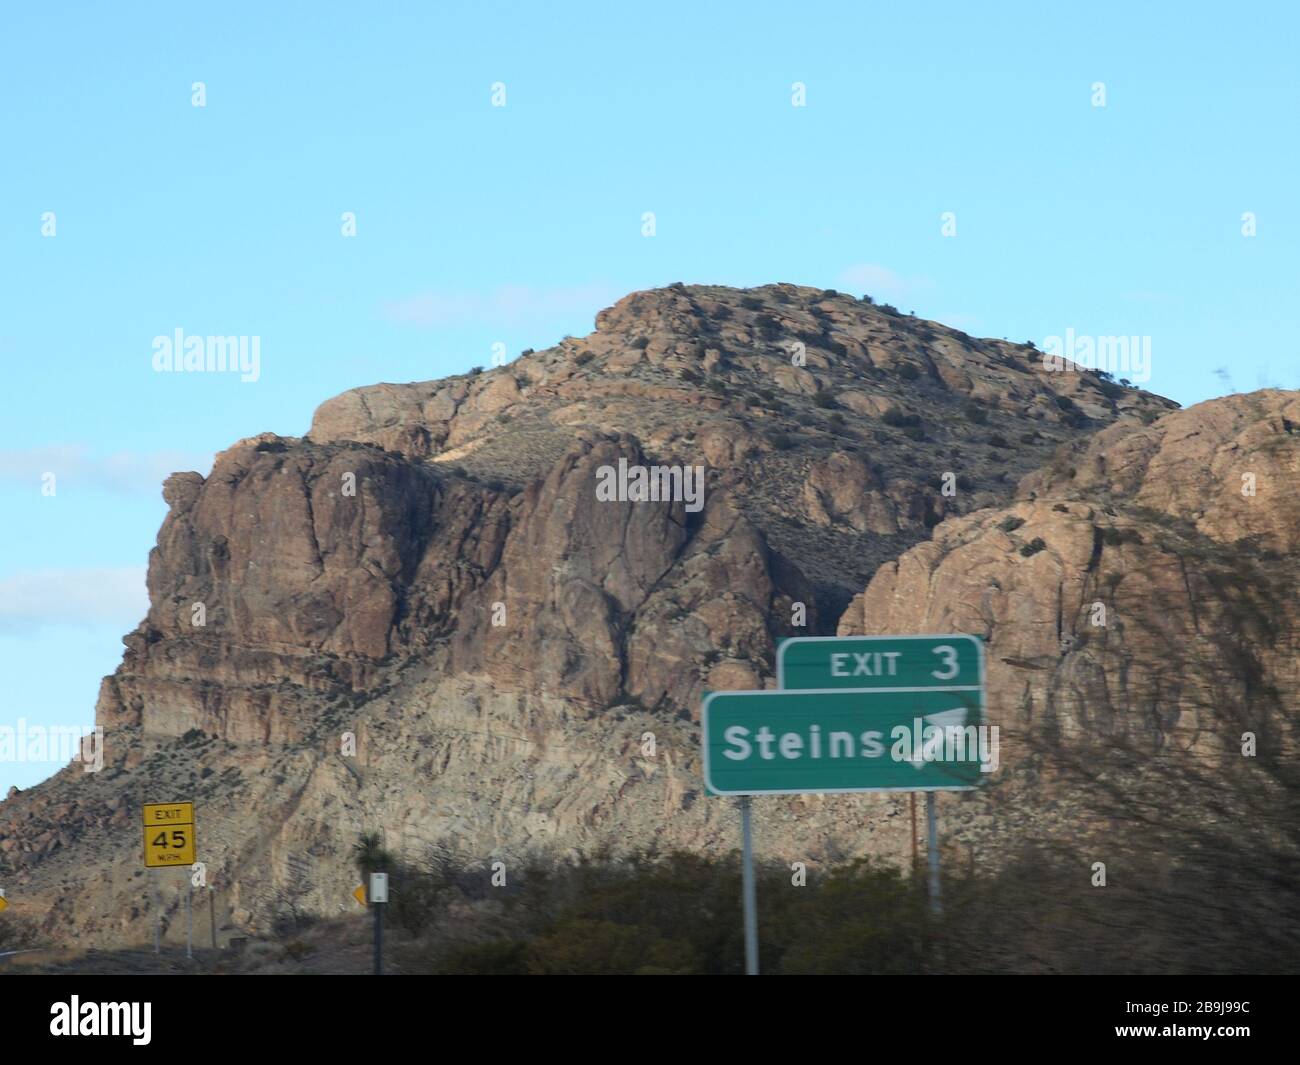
3	904
360	894
168	834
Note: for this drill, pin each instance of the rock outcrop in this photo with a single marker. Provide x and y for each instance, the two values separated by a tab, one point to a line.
421	619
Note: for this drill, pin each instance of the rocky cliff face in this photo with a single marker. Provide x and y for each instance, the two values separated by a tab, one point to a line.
429	576
1133	549
1138	606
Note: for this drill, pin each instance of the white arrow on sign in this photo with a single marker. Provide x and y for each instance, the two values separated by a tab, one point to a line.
955	718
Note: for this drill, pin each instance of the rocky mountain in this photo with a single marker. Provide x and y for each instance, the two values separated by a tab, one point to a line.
424	618
1133	548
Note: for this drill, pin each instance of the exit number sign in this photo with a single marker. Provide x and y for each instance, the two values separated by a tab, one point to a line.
903	663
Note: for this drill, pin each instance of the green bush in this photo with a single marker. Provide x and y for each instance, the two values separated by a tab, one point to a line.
899	419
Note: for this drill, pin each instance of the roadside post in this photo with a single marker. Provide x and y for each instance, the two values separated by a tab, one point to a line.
748	891
932	846
378	897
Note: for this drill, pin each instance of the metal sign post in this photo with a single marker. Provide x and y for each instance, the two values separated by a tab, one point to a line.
749	896
379	896
932	845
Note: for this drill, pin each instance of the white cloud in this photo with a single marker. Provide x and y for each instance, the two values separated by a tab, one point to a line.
880	281
73	597
508	305
125	472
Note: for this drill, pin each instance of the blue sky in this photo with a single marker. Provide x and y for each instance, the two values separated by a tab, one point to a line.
479	224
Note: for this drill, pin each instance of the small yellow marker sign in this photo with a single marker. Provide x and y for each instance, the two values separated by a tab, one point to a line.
360	894
168	834
3	904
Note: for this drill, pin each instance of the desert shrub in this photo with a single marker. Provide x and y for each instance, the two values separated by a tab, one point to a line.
975	413
825	400
296	950
1033	547
782	441
497	957
1010	524
908	371
1113	536
900	419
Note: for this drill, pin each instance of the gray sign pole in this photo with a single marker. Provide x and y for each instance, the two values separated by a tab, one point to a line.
189	918
749	895
212	912
157	914
379	899
932	837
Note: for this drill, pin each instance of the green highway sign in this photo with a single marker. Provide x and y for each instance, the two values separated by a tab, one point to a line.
835	739
954	662
852	713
